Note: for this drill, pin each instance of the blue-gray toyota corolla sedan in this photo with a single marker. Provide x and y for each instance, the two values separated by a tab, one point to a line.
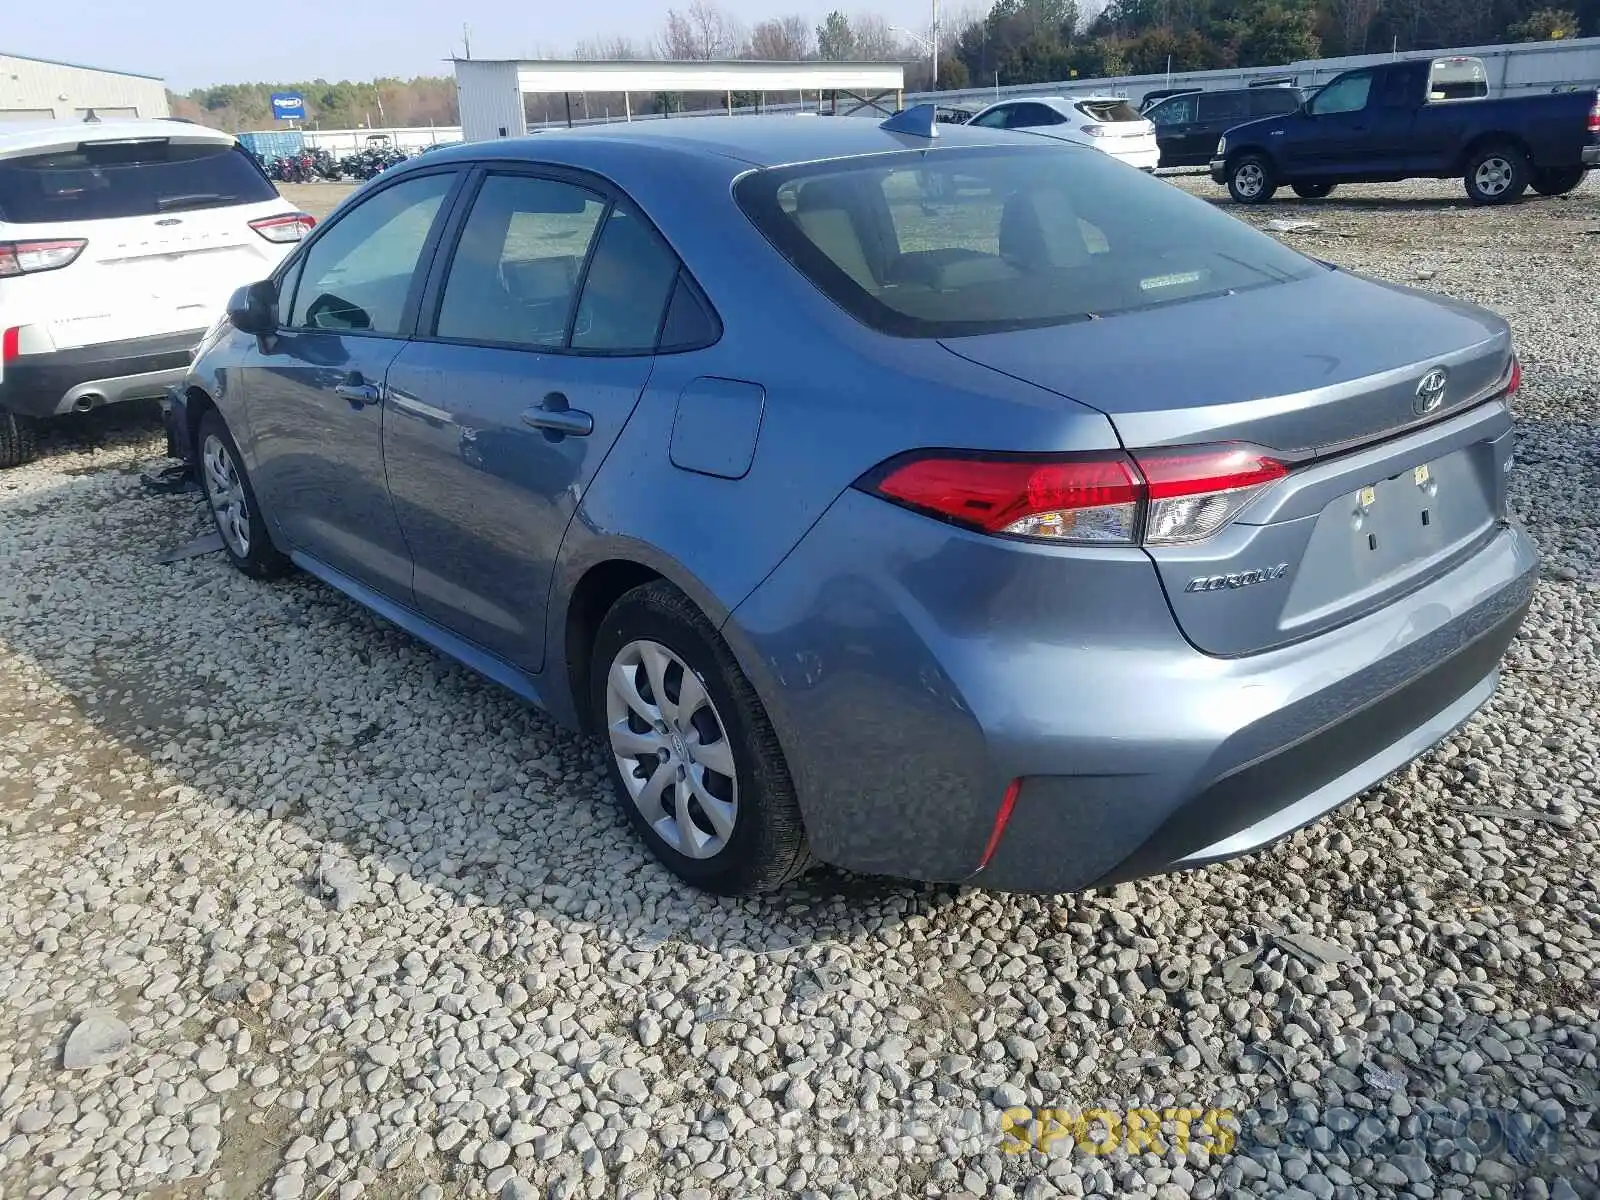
955	507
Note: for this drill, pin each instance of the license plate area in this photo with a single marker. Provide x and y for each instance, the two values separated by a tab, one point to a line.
1392	532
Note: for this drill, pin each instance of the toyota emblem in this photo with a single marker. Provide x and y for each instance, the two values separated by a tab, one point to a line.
1430	392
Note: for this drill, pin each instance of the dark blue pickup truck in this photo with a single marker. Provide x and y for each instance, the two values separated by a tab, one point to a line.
1422	118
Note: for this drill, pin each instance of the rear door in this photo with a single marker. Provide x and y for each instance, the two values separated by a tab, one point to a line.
540	334
1218	113
166	226
315	391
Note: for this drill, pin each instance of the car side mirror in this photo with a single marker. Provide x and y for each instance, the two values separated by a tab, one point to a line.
254	308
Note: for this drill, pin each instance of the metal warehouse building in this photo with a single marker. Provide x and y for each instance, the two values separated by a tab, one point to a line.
36	89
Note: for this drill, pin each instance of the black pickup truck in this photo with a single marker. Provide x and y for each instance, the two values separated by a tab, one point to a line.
1411	119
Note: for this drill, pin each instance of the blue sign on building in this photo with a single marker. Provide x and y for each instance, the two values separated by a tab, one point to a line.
288	106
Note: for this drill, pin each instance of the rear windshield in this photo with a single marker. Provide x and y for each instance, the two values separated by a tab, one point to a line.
1108	110
97	180
968	241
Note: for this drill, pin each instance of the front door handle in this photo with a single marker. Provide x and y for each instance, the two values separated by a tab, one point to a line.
358	391
558	419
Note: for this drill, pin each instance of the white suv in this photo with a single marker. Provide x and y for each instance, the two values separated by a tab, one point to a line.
120	242
1106	123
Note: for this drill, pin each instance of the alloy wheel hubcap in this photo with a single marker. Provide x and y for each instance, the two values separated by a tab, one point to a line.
1494	176
225	490
672	749
1249	180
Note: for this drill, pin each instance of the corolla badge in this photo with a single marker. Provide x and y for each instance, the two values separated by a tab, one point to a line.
1430	391
1237	579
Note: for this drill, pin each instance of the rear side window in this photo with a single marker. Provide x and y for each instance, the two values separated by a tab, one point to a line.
99	180
1033	116
1108	110
1457	79
1008	238
626	291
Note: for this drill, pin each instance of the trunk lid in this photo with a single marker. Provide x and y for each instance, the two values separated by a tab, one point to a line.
1392	483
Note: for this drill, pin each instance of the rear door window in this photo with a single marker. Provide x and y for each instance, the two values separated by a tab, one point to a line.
100	180
516	271
1033	116
1272	102
1223	108
995	118
1010	239
358	274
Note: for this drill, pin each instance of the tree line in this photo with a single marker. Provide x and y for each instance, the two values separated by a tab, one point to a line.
1012	42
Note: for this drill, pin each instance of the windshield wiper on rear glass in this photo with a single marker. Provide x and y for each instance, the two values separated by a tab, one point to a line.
193	200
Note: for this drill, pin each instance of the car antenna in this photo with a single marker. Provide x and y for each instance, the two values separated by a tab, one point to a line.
921	120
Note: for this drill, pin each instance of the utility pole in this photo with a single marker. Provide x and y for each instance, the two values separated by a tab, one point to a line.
466	40
933	47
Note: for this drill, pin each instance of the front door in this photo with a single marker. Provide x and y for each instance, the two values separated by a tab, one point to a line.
314	391
1333	138
545	325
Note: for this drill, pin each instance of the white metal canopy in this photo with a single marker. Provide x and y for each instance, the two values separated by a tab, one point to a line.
491	90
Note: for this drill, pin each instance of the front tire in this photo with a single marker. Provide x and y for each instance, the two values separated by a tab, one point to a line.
1496	175
1558	181
1312	191
1251	180
17	443
234	509
693	757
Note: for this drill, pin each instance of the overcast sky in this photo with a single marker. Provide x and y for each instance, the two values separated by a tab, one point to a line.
195	42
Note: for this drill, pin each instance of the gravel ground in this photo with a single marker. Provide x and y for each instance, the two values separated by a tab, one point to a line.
290	906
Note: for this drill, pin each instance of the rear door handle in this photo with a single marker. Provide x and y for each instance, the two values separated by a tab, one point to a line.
558	419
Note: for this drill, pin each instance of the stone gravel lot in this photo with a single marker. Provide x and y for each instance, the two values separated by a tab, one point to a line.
291	906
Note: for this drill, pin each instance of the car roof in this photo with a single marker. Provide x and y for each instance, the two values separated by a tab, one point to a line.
759	141
29	136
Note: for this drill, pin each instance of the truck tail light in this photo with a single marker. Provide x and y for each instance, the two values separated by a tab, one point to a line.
25	258
10	344
1154	497
289	227
1594	117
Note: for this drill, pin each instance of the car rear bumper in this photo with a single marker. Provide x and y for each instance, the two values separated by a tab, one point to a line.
1591	155
1145	160
913	674
85	377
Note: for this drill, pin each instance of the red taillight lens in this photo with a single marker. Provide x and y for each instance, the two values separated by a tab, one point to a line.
1093	500
290	227
1513	377
10	344
25	258
1195	491
1159	497
1594	118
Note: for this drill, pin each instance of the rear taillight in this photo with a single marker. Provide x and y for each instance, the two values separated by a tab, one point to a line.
1155	497
1594	117
25	258
290	227
1196	491
1513	377
10	344
1096	130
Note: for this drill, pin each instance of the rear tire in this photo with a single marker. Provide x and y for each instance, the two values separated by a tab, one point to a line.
234	509
1312	191
17	443
706	786
1251	180
1496	175
1558	181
